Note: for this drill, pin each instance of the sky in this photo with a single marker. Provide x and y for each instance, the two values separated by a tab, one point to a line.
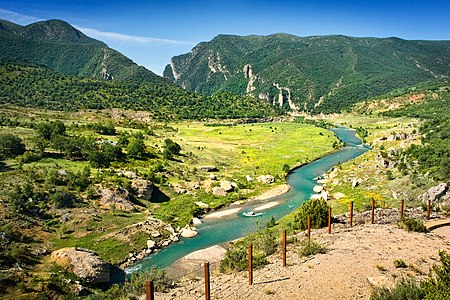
152	32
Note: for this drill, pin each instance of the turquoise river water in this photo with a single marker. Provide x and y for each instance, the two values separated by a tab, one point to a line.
301	182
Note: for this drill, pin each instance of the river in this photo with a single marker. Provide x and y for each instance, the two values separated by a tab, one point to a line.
301	182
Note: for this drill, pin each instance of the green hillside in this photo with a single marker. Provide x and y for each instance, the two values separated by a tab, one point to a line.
34	86
319	74
59	46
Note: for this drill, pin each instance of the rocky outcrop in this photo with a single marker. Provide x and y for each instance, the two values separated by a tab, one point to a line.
117	199
208	168
218	191
142	188
435	193
248	73
267	179
384	162
84	263
397	136
226	185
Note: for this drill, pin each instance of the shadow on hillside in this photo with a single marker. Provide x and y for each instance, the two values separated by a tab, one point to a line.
4	167
158	196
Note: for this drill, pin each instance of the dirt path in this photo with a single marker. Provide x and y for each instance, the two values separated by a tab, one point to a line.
357	256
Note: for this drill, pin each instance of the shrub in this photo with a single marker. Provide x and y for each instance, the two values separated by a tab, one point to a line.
63	199
237	260
311	247
406	289
317	209
400	263
414	225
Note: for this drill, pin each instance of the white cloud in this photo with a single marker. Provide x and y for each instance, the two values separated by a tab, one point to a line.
17	17
113	36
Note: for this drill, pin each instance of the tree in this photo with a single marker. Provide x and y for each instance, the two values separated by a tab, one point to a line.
136	148
170	149
11	145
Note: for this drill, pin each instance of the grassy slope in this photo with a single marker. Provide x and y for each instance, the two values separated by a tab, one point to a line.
237	151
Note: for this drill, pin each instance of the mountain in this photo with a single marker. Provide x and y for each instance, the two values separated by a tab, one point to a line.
58	45
319	74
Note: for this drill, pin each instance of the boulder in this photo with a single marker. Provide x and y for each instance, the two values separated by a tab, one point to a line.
226	185
434	193
209	168
218	191
248	178
142	188
84	263
117	198
267	179
212	177
188	233
151	244
318	189
356	182
202	205
196	221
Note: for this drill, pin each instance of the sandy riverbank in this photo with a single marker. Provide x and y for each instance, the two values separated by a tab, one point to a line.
273	192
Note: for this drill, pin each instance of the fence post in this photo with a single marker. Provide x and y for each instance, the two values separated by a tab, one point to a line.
149	290
428	209
402	207
250	265
284	248
373	211
207	284
309	227
351	214
329	220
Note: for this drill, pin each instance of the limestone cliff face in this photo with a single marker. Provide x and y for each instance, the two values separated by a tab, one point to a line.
320	73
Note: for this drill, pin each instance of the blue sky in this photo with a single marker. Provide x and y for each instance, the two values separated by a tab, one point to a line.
151	32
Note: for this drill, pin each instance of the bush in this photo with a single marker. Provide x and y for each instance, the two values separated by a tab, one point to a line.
400	263
237	260
317	209
406	289
414	225
63	199
311	247
11	145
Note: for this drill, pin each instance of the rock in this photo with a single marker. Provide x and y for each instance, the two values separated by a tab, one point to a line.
317	189
267	179
399	136
209	168
356	182
196	221
64	218
84	263
383	161
118	199
170	229
218	191
248	178
188	233
380	281
142	188
212	177
434	193
202	205
151	244
226	185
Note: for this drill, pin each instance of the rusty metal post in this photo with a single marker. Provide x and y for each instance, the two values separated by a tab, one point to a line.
309	227
428	209
402	208
373	211
351	214
329	220
250	264
284	248
149	290
207	284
